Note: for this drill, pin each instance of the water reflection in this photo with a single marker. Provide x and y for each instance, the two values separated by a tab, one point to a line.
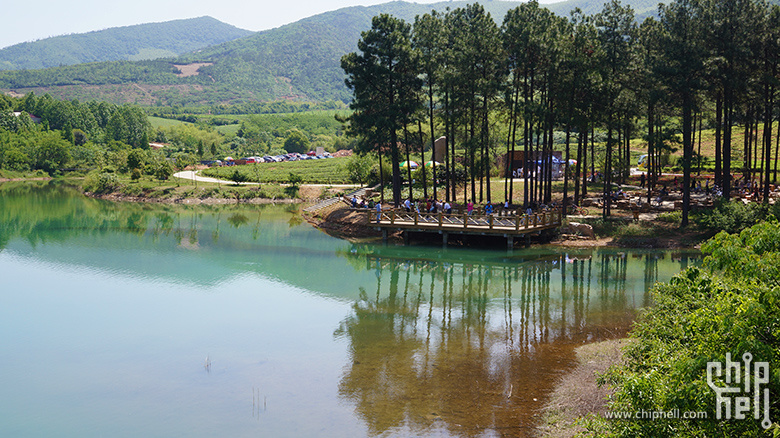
472	348
455	342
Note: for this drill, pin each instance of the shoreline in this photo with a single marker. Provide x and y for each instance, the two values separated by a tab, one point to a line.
120	197
577	395
343	223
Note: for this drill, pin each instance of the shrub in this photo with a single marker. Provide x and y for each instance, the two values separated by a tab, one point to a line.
132	190
734	216
237	177
101	183
671	217
163	171
359	168
731	306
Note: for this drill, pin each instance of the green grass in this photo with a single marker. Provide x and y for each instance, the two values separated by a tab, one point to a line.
228	131
12	174
330	171
150	187
159	122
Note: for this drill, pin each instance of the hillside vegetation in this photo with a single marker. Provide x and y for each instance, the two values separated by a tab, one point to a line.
129	43
299	61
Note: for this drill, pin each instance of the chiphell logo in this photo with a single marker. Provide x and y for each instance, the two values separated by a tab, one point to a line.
741	389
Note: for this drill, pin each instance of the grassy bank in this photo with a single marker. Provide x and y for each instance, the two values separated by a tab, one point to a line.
122	187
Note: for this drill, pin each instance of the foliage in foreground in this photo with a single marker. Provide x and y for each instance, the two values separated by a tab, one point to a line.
731	305
733	216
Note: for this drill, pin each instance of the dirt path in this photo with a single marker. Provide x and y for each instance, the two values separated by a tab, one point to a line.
192	175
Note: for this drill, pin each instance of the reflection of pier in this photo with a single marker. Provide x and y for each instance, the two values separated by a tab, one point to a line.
441	223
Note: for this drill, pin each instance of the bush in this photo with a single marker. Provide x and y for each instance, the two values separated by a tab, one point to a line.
210	193
731	306
671	217
373	174
734	216
237	177
14	159
101	183
163	171
132	190
359	168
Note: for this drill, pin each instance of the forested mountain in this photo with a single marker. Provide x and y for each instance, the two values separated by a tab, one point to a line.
642	8
129	43
299	61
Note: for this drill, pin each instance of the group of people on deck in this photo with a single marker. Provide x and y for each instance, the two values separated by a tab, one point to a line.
433	206
427	206
361	203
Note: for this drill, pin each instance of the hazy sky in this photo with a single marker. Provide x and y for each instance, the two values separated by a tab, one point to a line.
23	21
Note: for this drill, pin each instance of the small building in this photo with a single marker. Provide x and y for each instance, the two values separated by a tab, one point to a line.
536	160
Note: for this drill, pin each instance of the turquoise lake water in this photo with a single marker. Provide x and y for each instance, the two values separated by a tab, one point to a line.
136	320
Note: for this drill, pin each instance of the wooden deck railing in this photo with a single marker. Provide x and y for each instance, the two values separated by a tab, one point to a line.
519	224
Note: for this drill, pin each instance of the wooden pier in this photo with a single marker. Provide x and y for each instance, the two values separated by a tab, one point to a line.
442	223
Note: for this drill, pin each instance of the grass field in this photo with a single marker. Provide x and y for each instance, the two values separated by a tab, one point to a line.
228	131
329	171
159	122
707	142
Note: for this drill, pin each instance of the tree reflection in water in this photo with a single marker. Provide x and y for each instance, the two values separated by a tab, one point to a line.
472	349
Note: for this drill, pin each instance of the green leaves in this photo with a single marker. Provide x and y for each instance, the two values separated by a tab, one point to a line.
700	316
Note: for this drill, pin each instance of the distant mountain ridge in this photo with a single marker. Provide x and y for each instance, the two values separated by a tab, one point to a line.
129	43
298	61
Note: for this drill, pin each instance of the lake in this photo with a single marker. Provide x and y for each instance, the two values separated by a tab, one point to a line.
129	320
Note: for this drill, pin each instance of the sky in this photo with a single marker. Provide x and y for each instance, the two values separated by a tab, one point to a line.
24	21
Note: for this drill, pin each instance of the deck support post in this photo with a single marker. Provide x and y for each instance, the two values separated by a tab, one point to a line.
444	237
406	237
510	242
384	235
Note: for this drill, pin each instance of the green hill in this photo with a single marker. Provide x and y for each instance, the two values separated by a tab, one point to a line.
130	43
299	61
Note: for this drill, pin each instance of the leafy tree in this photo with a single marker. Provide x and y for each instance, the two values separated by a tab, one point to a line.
294	180
296	141
359	168
163	170
136	159
79	137
237	177
478	71
730	306
101	183
51	152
